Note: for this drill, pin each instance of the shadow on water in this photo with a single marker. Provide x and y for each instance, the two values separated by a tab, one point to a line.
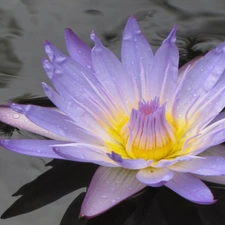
50	193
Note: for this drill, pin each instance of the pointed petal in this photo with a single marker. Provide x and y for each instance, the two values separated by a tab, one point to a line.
108	187
55	122
76	92
207	69
210	136
79	115
77	49
15	119
154	177
165	68
136	57
111	73
190	188
208	166
82	77
132	164
40	148
202	112
84	153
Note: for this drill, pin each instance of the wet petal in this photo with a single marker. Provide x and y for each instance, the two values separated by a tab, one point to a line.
80	94
218	150
78	114
84	153
108	187
167	162
208	166
111	73
164	72
210	136
40	148
55	122
77	49
15	119
154	177
213	179
136	57
207	69
190	188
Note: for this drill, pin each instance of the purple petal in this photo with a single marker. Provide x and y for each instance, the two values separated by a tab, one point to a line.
111	73
188	65
207	69
213	179
75	112
77	49
108	187
76	92
208	166
220	116
218	150
154	177
164	72
190	188
15	119
40	148
85	153
55	122
136	57
202	113
210	136
132	164
167	162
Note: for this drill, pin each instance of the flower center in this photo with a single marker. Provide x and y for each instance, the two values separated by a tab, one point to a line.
145	134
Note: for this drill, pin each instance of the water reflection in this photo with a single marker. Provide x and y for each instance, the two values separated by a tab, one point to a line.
9	62
24	25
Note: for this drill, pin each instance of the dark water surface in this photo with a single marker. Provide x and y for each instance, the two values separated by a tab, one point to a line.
24	26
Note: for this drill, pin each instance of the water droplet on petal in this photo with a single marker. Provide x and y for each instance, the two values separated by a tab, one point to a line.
113	200
16	116
104	196
188	88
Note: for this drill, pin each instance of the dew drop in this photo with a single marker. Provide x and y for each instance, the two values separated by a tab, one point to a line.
16	116
7	115
113	200
188	88
104	196
88	66
38	151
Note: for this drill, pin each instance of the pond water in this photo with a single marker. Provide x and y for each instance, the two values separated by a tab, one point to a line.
49	192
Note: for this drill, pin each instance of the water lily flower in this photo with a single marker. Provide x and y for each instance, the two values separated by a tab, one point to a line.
145	122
